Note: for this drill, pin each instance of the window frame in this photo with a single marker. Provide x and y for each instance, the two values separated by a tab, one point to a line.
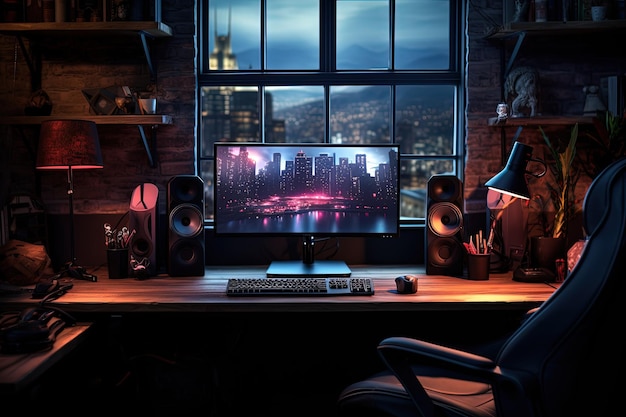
328	76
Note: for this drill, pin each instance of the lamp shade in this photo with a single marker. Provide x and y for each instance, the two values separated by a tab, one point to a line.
65	144
512	179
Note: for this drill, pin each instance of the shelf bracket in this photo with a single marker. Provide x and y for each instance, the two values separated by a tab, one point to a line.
33	62
146	51
150	148
520	39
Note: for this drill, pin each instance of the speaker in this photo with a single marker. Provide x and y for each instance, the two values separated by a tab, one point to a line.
185	207
142	223
444	224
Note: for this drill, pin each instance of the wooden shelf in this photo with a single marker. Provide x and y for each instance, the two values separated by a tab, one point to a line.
152	120
131	119
542	121
577	28
153	29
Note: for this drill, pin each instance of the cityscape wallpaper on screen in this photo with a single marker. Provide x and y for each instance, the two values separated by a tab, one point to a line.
306	189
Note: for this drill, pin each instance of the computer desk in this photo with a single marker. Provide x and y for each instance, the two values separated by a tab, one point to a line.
207	294
18	370
176	314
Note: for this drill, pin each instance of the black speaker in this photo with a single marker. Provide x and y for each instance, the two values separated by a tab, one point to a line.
142	222
444	224
185	207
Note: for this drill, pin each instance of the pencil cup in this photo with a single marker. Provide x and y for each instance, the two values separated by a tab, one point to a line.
478	266
117	261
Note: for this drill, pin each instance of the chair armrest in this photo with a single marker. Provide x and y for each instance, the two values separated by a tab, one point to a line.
400	354
432	354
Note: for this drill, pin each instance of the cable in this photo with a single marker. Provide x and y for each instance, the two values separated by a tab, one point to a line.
58	292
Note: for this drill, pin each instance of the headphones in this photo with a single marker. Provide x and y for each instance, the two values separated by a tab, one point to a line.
32	330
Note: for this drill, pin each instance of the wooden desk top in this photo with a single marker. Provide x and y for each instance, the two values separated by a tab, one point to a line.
20	369
208	294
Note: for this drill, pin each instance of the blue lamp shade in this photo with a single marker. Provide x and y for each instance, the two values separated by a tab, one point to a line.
512	179
69	144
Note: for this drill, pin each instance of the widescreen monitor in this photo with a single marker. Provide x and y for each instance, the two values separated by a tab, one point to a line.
311	191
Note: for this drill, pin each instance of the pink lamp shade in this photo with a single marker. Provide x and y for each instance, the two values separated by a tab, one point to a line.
65	144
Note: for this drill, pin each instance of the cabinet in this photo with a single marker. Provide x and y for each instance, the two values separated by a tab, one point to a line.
37	32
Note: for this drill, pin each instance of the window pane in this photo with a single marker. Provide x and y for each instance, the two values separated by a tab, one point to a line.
229	114
425	119
422	34
360	114
238	29
206	173
292	39
414	176
362	34
300	112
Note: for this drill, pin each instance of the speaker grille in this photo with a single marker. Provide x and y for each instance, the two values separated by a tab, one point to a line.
445	219
186	221
445	188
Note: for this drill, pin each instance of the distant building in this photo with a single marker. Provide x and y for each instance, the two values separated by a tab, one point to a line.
229	113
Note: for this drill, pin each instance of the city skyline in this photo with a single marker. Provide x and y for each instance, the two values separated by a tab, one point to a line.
264	154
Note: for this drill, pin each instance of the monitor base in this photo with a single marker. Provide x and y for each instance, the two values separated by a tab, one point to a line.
323	268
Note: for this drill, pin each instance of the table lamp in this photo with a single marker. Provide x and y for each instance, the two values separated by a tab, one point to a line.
69	145
511	181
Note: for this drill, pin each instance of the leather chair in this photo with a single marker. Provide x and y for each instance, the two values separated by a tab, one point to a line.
566	359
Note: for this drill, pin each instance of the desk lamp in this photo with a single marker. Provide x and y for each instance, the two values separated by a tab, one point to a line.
69	145
511	181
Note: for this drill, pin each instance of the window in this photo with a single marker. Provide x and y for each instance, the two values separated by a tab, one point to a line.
336	71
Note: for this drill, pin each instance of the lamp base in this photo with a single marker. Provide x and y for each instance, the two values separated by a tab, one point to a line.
522	274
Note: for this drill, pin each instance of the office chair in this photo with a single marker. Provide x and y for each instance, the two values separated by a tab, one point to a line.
566	359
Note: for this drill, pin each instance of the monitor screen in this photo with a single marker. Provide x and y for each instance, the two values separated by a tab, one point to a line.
307	190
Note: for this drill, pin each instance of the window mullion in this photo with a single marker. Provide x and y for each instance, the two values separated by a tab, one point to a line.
263	35
328	33
328	60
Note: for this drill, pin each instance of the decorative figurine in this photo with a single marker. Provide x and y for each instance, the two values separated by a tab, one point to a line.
593	102
502	110
522	84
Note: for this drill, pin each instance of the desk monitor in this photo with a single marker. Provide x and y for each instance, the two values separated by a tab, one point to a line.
310	191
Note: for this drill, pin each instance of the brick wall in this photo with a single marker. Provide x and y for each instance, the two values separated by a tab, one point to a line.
565	63
565	66
98	62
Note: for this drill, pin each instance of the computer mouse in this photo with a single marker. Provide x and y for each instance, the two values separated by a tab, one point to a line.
406	284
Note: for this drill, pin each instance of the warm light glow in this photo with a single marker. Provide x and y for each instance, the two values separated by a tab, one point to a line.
512	194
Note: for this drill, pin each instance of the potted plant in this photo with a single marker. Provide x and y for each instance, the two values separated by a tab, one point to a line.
607	143
549	217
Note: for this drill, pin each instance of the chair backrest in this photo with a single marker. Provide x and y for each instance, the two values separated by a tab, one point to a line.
571	351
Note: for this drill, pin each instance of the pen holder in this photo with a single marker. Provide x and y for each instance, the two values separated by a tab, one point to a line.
117	262
478	266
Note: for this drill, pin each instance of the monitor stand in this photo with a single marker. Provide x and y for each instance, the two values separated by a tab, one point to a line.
324	268
308	266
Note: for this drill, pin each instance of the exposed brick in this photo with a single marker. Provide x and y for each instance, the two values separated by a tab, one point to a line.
566	65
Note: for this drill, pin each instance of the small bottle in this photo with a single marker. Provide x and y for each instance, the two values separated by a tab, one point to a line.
541	11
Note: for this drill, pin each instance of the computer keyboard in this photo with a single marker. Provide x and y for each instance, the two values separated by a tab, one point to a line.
309	286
